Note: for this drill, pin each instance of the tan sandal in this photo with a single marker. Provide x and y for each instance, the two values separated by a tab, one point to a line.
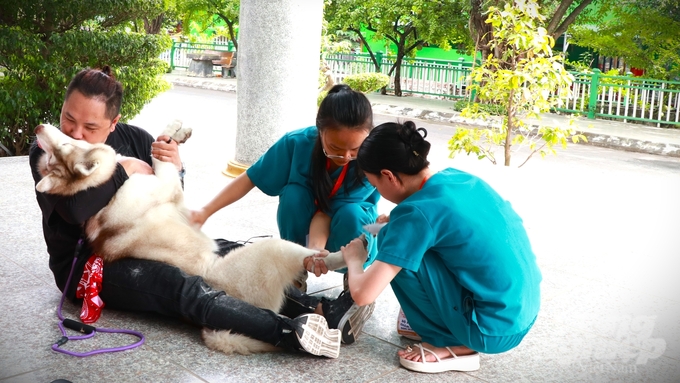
456	363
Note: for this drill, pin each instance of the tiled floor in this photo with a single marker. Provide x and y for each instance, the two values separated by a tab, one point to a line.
607	246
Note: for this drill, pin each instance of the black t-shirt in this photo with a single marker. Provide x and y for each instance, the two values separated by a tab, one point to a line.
63	217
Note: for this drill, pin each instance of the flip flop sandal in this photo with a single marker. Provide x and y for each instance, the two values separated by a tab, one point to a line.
456	363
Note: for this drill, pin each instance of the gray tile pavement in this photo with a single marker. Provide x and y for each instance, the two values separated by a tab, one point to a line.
610	310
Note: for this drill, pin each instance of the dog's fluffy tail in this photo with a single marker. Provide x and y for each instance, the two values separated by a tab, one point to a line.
230	343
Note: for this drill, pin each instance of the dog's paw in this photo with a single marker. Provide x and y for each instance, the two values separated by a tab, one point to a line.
177	131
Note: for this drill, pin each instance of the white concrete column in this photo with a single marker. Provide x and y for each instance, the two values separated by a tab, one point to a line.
277	73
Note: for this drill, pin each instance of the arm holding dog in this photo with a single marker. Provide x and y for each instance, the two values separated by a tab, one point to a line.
319	231
366	286
167	150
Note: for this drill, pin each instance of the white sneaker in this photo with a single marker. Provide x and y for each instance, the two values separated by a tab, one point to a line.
315	337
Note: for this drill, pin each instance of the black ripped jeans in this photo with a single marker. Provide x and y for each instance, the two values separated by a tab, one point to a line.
148	286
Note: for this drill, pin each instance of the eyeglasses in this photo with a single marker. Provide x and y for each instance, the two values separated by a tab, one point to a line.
336	157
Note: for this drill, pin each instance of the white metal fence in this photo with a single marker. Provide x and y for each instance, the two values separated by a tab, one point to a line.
593	94
431	77
625	98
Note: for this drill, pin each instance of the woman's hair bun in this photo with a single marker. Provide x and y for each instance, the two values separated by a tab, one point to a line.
340	88
107	71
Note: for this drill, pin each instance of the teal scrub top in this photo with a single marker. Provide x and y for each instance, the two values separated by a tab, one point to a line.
458	217
289	161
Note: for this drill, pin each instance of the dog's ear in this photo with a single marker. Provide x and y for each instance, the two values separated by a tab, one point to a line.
85	168
46	184
90	162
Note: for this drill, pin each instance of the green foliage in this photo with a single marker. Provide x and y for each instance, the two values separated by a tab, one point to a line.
582	65
39	56
479	142
367	82
205	14
646	34
409	24
526	80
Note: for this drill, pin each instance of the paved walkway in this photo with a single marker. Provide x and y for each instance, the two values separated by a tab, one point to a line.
611	134
606	243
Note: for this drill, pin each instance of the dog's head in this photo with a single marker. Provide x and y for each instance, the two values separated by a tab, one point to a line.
69	166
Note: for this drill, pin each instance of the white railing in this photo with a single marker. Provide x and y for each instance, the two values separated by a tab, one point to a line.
626	98
593	94
431	77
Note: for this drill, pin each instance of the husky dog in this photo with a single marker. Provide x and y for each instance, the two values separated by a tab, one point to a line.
147	218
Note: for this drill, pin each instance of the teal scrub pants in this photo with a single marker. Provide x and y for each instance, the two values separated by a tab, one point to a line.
439	309
296	208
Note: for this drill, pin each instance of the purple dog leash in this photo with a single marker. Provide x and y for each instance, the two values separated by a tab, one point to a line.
88	330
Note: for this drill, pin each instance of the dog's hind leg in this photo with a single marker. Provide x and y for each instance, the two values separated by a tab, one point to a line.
335	260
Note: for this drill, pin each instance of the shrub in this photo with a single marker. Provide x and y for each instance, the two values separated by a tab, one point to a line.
367	82
38	65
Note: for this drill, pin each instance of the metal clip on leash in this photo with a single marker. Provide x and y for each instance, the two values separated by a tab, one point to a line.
88	330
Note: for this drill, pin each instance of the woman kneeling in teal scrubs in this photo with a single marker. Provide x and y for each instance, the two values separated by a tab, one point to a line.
324	200
455	253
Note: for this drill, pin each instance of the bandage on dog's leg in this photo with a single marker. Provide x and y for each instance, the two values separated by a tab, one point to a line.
334	261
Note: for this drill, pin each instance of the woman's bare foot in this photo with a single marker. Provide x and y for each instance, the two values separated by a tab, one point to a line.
413	353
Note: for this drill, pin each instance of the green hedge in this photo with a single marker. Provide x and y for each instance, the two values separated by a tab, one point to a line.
367	82
37	66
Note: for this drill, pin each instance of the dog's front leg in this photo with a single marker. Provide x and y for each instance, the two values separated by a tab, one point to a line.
167	172
170	187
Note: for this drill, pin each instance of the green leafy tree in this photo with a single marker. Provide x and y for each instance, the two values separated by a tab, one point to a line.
558	15
44	43
525	81
645	33
409	24
205	13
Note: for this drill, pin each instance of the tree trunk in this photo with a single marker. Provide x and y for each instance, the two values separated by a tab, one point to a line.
557	25
480	31
230	26
397	73
232	35
510	129
153	26
376	64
